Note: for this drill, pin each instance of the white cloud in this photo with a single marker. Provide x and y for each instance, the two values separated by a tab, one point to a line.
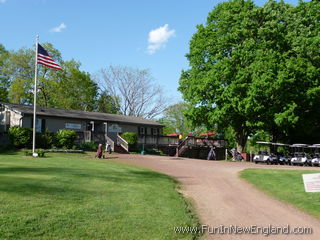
158	38
59	28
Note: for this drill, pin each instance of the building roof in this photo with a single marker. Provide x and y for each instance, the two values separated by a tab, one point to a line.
64	113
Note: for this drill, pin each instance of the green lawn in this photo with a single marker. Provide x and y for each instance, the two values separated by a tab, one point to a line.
286	185
74	196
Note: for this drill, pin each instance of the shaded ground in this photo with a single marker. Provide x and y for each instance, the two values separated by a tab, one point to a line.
222	198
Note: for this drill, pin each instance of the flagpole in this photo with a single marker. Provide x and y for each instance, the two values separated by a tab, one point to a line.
35	100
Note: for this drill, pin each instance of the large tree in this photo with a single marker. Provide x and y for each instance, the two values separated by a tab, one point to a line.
4	79
256	68
21	72
217	83
284	97
139	95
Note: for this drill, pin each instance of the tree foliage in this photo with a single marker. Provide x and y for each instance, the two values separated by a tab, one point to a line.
70	88
73	88
175	121
107	103
4	79
255	68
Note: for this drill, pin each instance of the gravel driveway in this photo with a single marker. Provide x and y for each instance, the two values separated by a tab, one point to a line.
221	198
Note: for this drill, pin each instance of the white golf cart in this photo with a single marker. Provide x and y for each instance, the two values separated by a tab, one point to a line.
283	158
299	157
264	156
315	161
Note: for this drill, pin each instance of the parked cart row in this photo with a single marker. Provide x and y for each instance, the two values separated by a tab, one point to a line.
285	154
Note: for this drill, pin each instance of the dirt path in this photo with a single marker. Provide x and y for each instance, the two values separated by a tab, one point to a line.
222	198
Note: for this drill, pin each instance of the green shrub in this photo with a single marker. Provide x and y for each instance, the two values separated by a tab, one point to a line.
28	153
20	137
132	140
88	146
44	140
130	137
40	152
154	151
65	138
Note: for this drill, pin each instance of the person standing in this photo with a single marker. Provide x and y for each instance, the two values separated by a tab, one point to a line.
211	154
180	139
108	148
99	151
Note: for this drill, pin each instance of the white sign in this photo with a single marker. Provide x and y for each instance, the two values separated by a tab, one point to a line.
115	128
73	126
311	182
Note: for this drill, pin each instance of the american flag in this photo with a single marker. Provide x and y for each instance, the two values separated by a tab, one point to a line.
45	59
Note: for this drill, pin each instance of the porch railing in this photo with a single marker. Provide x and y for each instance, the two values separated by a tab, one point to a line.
123	143
158	140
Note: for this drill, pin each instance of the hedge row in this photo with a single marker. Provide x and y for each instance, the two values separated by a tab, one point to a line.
64	138
22	138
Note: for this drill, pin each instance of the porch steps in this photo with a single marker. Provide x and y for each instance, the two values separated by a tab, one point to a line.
120	149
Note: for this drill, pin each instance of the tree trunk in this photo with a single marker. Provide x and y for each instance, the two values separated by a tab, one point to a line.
241	139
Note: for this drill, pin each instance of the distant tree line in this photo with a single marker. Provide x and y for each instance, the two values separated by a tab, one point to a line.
119	90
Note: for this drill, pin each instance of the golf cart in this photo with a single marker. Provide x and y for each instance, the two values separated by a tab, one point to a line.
299	157
283	159
264	156
315	160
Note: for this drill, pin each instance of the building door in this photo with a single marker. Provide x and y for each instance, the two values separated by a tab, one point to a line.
87	136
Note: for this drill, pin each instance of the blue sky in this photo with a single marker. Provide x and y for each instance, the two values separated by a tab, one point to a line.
141	34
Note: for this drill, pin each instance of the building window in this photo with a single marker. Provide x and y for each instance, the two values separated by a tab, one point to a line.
40	125
154	131
76	126
142	131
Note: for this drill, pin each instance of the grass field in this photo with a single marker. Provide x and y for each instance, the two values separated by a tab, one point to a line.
74	196
286	185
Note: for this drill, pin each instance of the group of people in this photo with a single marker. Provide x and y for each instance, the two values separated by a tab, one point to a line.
235	154
101	153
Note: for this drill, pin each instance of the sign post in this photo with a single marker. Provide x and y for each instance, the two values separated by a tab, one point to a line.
311	182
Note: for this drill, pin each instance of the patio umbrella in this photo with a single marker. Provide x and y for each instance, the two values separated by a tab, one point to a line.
173	135
206	134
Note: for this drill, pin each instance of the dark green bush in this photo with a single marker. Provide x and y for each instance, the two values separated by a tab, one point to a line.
154	151
44	140
28	153
20	137
88	146
40	152
130	137
65	138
